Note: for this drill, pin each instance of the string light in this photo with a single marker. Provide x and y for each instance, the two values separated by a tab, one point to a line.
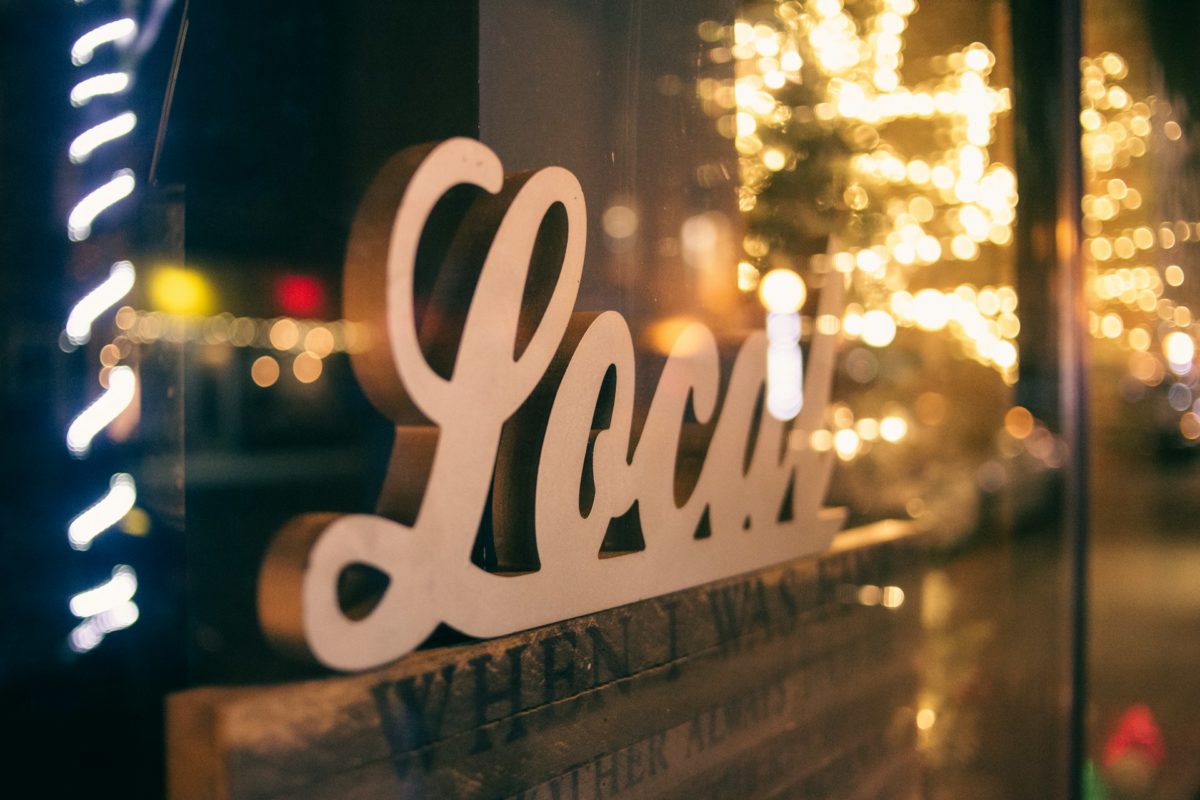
96	202
122	384
118	283
120	588
89	633
119	32
807	74
1131	306
106	512
108	607
97	86
83	145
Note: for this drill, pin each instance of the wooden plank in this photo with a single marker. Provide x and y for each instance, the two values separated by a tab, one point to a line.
502	717
766	737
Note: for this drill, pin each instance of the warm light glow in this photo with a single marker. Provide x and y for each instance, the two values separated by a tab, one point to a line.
782	291
285	334
264	371
1139	339
869	594
930	310
926	718
307	367
106	512
1189	426
119	32
846	443
896	211
79	221
1179	348
892	597
121	387
1018	422
747	276
878	328
118	283
319	341
893	428
620	222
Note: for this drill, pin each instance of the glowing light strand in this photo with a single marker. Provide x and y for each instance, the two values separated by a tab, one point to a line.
96	202
119	282
122	385
89	633
105	513
83	145
118	589
118	32
109	83
807	73
108	607
1131	307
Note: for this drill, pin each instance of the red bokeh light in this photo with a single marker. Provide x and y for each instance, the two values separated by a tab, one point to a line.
300	295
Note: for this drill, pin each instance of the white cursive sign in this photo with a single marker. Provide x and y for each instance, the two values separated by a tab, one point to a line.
514	421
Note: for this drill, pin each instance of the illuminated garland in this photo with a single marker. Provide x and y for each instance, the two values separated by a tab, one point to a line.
310	341
1125	247
815	90
108	607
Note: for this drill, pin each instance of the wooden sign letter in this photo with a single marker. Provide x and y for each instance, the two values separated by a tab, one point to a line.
757	500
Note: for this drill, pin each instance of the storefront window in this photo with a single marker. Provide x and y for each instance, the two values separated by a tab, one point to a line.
844	231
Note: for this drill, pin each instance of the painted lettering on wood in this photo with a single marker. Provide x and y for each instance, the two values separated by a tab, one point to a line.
779	681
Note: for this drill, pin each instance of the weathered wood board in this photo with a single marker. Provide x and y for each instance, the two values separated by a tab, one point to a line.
775	684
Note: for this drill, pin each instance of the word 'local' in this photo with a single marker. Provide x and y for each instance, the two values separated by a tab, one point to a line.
510	419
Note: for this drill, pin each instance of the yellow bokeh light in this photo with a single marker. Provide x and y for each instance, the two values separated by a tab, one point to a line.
867	429
747	276
1179	348
1111	326
177	290
930	310
878	328
893	428
821	440
1101	248
952	203
1005	355
1139	339
782	291
846	443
